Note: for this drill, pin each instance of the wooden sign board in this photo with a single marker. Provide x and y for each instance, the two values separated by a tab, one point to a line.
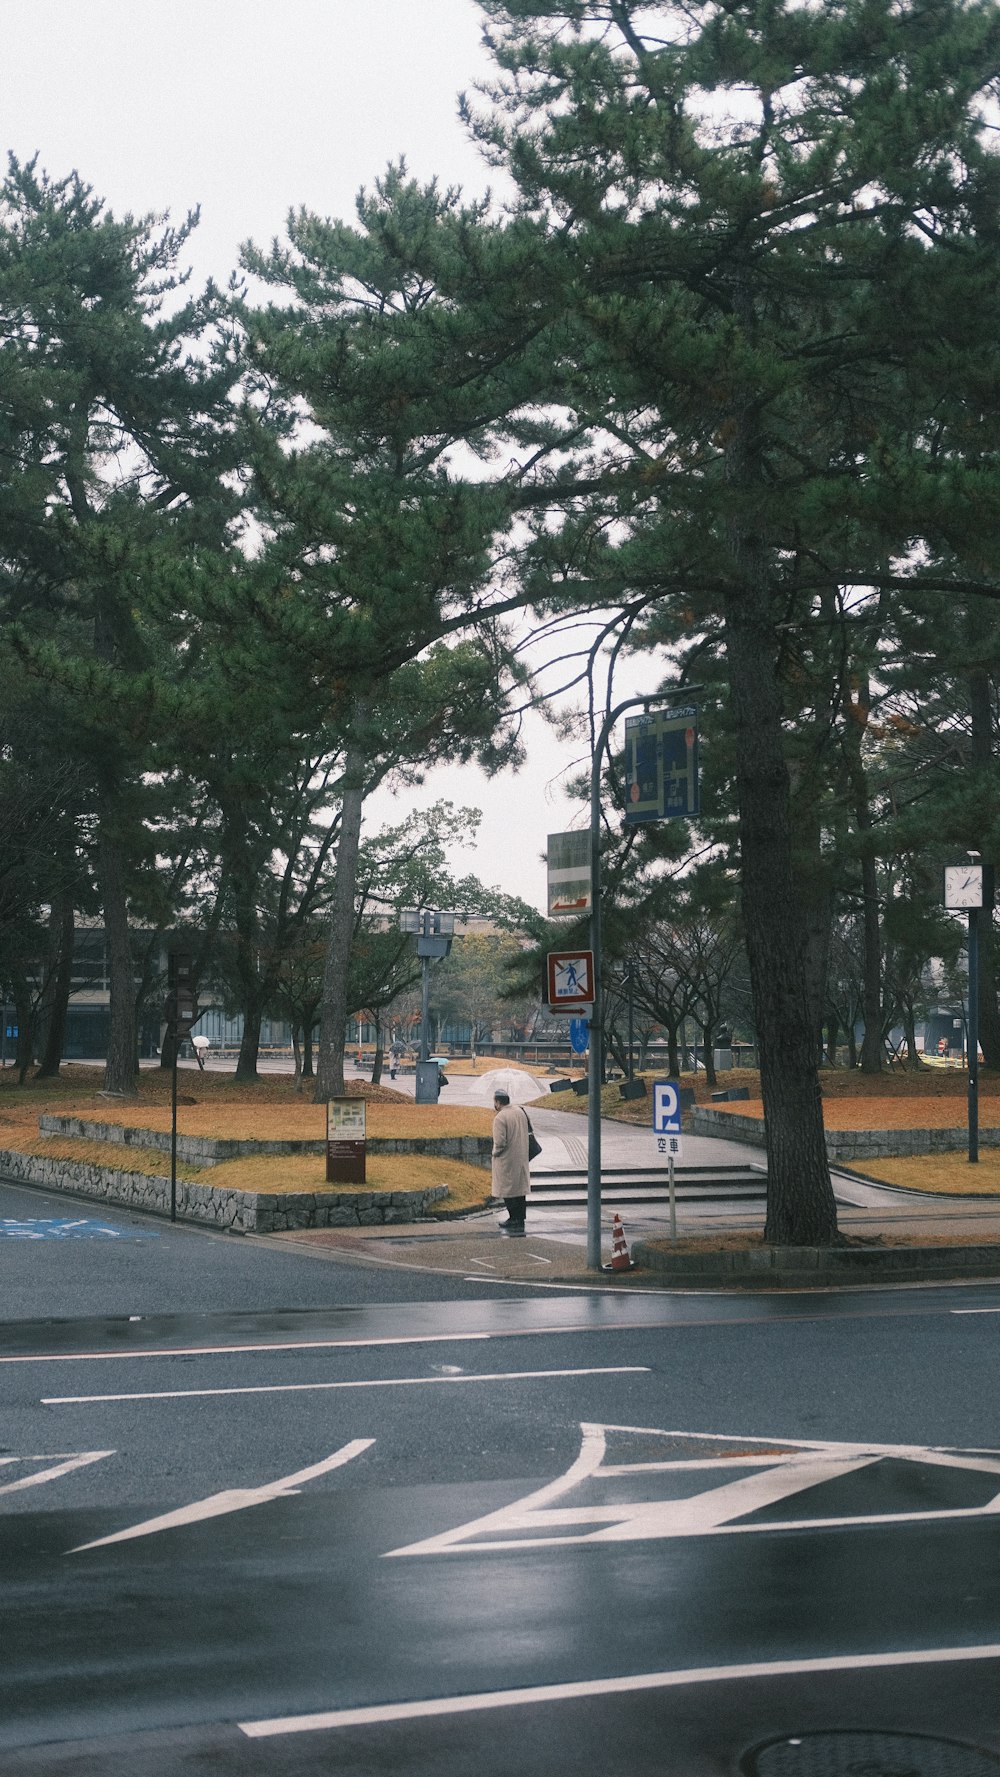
345	1141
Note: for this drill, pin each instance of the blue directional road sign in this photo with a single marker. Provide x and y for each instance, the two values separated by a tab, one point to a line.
579	1035
666	1107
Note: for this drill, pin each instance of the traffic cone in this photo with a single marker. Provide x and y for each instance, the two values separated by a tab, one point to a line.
620	1260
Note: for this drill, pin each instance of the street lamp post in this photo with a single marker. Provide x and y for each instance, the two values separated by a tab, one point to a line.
595	1061
963	890
434	932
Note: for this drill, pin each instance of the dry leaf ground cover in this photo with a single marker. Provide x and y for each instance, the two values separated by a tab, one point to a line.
929	1098
213	1103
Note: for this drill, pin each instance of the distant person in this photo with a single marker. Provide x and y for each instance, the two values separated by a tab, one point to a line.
511	1177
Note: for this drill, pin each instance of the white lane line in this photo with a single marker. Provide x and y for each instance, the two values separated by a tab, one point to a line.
974	1311
234	1499
90	1357
62	1466
604	1687
182	1394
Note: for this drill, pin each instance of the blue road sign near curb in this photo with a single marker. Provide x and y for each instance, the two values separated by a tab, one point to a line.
49	1228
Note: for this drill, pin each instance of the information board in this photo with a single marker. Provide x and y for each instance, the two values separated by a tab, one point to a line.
661	765
345	1141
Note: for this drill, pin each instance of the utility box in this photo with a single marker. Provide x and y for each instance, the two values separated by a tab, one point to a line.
428	1082
632	1089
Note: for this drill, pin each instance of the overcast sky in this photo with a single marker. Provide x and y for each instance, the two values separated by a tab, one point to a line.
248	108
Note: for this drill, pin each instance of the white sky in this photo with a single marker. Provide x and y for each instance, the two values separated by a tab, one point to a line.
249	108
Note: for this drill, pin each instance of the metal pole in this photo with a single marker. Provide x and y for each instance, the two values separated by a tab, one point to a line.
173	1121
425	997
973	1035
673	1199
596	1055
631	1019
596	1019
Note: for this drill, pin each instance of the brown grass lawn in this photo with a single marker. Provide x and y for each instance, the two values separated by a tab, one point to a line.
950	1174
213	1104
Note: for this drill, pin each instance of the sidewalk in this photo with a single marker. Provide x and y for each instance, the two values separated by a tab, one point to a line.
554	1249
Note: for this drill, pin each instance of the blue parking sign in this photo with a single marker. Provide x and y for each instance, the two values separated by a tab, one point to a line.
666	1107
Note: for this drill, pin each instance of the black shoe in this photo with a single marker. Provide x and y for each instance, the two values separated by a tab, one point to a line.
513	1229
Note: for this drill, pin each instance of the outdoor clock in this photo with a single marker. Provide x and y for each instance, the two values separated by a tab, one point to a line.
963	885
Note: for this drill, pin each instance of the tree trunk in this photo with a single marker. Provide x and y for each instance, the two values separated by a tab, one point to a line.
913	1061
61	926
333	1017
801	1208
253	1014
121	1072
708	1043
379	1054
872	1047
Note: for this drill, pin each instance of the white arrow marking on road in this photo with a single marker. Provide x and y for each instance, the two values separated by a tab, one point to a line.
773	1471
234	1499
63	1465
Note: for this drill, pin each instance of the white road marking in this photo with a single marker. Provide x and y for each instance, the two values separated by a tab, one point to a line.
234	1499
476	1702
781	1468
974	1311
277	1346
63	1465
182	1394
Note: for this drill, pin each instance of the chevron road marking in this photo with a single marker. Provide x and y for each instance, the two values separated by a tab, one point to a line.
234	1499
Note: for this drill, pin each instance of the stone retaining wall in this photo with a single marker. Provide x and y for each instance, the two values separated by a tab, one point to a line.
849	1145
210	1150
246	1212
811	1267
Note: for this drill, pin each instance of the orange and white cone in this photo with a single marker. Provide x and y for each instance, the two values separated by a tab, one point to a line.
620	1260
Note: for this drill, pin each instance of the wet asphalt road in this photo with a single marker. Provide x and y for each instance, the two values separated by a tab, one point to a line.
708	1520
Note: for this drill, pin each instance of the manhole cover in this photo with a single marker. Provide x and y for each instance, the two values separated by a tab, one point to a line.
859	1753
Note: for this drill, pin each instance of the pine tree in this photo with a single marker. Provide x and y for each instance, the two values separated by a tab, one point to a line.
123	440
733	204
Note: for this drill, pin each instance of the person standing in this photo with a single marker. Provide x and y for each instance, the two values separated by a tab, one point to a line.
511	1177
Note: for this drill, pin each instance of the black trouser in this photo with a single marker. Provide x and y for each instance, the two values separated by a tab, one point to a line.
515	1207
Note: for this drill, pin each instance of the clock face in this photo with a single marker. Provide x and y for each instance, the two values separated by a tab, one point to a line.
963	885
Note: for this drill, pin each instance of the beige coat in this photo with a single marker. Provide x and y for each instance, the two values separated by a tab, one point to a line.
511	1177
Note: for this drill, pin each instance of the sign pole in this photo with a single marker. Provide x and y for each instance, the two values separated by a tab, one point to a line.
175	1045
595	1052
595	1069
673	1199
973	1035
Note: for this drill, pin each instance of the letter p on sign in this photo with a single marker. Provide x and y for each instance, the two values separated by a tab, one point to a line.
666	1107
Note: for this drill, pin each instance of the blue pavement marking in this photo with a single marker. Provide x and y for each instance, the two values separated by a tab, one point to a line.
49	1228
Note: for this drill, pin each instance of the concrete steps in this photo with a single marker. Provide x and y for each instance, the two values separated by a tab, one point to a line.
567	1188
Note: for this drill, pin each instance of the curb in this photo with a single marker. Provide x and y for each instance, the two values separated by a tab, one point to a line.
812	1267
